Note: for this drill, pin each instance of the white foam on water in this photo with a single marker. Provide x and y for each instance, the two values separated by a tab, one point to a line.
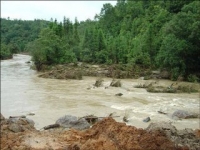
120	107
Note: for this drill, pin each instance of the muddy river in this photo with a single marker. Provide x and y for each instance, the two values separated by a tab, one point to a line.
23	92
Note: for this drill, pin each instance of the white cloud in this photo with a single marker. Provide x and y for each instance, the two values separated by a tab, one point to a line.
29	10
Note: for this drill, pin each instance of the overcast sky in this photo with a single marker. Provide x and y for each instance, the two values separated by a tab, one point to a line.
30	10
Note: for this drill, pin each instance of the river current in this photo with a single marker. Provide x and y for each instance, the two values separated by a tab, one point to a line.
22	92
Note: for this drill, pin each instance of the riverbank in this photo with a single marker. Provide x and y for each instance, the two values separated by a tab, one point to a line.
78	70
70	71
118	71
105	134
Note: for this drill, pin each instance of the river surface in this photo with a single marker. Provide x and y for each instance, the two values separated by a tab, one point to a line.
22	92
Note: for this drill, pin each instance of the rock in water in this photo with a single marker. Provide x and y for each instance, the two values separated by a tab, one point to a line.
125	119
69	121
116	83
147	119
118	94
184	114
98	82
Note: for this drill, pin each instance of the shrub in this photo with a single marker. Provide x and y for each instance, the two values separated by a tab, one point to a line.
192	78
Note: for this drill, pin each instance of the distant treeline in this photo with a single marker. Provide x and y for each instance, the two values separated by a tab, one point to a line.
15	34
161	34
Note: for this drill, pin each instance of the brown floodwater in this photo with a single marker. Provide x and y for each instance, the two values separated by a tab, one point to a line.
23	92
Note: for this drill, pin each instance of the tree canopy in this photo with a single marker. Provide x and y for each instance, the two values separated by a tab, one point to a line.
161	34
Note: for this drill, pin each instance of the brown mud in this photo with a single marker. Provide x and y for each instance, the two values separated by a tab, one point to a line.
103	135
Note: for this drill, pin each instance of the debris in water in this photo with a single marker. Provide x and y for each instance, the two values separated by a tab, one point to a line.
125	119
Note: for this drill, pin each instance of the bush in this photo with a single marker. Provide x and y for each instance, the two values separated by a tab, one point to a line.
192	78
187	89
175	73
142	59
5	52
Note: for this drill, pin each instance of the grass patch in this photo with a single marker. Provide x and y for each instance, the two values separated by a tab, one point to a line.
187	89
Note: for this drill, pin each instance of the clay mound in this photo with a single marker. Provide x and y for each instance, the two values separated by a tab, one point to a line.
109	134
104	135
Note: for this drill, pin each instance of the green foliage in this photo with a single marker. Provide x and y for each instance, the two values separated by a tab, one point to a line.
17	33
5	52
101	56
142	59
169	55
149	34
86	55
175	6
50	49
192	78
179	50
175	73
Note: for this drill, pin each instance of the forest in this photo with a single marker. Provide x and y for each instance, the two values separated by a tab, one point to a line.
162	34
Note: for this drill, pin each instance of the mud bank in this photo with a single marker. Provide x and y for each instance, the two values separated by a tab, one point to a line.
76	70
105	134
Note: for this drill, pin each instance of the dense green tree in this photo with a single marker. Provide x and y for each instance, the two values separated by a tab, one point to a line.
101	40
180	47
17	33
50	49
5	52
76	35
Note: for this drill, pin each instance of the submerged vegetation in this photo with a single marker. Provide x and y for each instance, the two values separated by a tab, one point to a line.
176	87
140	35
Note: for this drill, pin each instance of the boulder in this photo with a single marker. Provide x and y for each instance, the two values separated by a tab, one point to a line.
182	114
15	127
162	126
147	119
185	137
69	121
99	82
116	83
18	124
118	94
22	121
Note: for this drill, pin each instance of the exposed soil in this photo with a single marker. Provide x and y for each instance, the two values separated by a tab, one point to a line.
105	134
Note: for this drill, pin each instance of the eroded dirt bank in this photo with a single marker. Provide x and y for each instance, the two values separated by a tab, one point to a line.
105	134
